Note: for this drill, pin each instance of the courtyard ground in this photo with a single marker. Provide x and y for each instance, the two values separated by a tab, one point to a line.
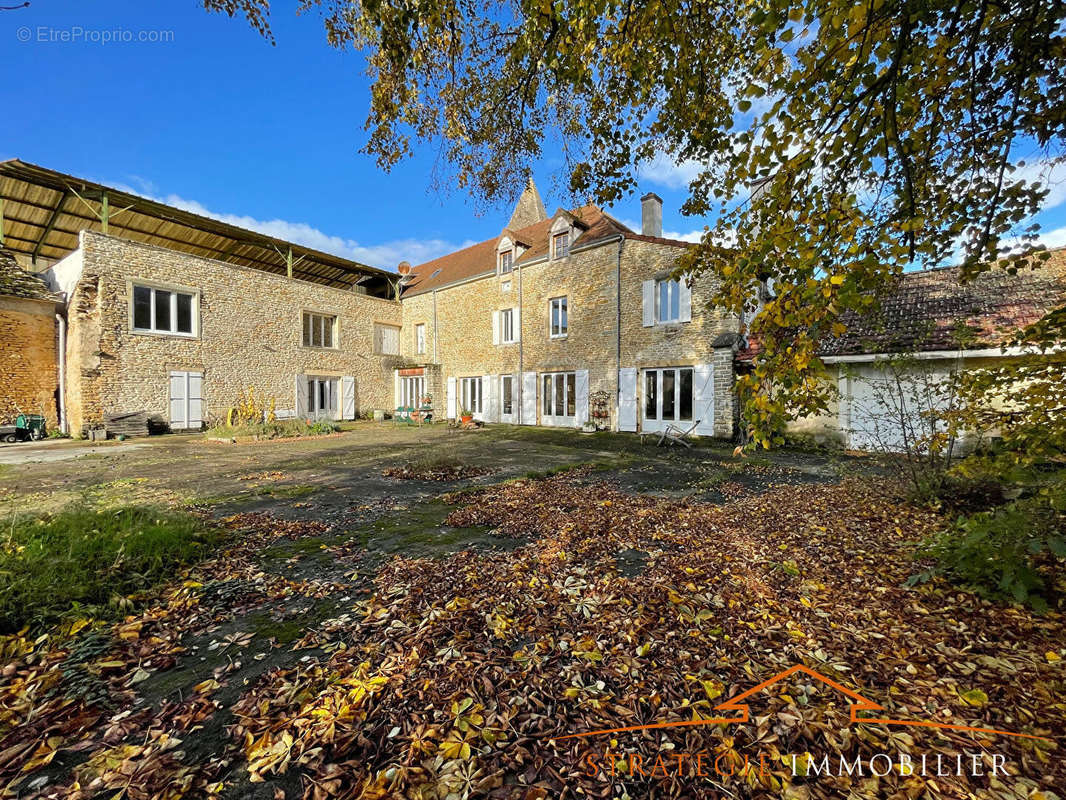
363	635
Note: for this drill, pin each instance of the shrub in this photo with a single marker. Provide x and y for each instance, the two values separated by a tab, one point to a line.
55	564
1005	553
278	429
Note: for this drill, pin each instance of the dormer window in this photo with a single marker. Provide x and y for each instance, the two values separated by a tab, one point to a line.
561	244
506	261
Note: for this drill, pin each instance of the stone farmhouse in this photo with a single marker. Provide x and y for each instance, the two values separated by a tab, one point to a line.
113	304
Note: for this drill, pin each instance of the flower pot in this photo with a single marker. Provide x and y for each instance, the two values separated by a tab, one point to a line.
466	420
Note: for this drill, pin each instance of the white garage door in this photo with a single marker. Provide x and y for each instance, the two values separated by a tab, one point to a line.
888	408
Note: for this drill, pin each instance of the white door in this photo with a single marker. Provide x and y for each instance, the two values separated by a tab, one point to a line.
627	399
348	396
558	398
508	398
186	400
887	408
323	398
668	398
451	398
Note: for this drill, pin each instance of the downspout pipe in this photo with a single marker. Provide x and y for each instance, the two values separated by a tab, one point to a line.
521	360
621	239
61	324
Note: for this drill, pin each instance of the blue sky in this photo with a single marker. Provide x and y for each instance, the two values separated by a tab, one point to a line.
214	119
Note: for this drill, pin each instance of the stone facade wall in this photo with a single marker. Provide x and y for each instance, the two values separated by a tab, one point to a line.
28	363
588	278
249	334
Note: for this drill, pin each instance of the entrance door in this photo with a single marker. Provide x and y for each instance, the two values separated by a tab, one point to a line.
322	398
186	400
667	397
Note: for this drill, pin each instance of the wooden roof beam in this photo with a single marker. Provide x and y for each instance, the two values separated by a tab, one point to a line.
52	219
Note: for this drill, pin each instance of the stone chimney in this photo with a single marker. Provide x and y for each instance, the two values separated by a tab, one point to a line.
651	215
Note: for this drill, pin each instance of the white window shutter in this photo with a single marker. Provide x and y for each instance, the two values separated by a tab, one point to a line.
627	399
196	400
649	303
301	396
348	397
178	395
516	320
685	297
495	327
451	398
529	398
581	397
703	398
490	398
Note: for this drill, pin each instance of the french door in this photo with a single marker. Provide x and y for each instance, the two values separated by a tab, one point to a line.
558	398
470	396
322	398
412	390
667	397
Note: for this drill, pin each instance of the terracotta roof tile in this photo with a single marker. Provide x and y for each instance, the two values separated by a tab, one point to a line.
480	259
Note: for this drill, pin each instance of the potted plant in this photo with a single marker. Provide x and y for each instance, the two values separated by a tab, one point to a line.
466	416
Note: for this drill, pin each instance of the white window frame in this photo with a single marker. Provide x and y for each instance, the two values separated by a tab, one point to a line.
321	387
549	407
471	395
658	422
509	260
412	388
673	299
558	236
508	334
557	330
420	338
508	395
322	322
194	310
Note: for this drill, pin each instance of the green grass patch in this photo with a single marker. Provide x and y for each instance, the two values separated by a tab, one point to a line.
80	561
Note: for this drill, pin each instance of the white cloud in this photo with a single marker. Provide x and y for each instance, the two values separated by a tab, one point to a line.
665	171
1053	238
1048	174
386	255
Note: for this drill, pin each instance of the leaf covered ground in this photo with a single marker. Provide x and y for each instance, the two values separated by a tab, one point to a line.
306	674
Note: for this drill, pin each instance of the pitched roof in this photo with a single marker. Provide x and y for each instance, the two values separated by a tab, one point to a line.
931	310
17	282
530	208
480	259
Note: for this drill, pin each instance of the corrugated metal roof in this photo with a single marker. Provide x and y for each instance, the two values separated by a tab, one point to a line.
44	211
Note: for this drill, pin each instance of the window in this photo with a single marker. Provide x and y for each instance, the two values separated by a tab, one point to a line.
412	391
506	261
386	340
668	395
319	329
470	395
162	311
559	394
508	334
561	245
559	324
507	395
667	301
420	337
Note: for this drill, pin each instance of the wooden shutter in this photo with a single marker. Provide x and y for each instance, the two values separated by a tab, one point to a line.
649	303
178	397
685	298
627	399
451	398
195	417
495	327
581	397
703	398
301	397
348	397
529	398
